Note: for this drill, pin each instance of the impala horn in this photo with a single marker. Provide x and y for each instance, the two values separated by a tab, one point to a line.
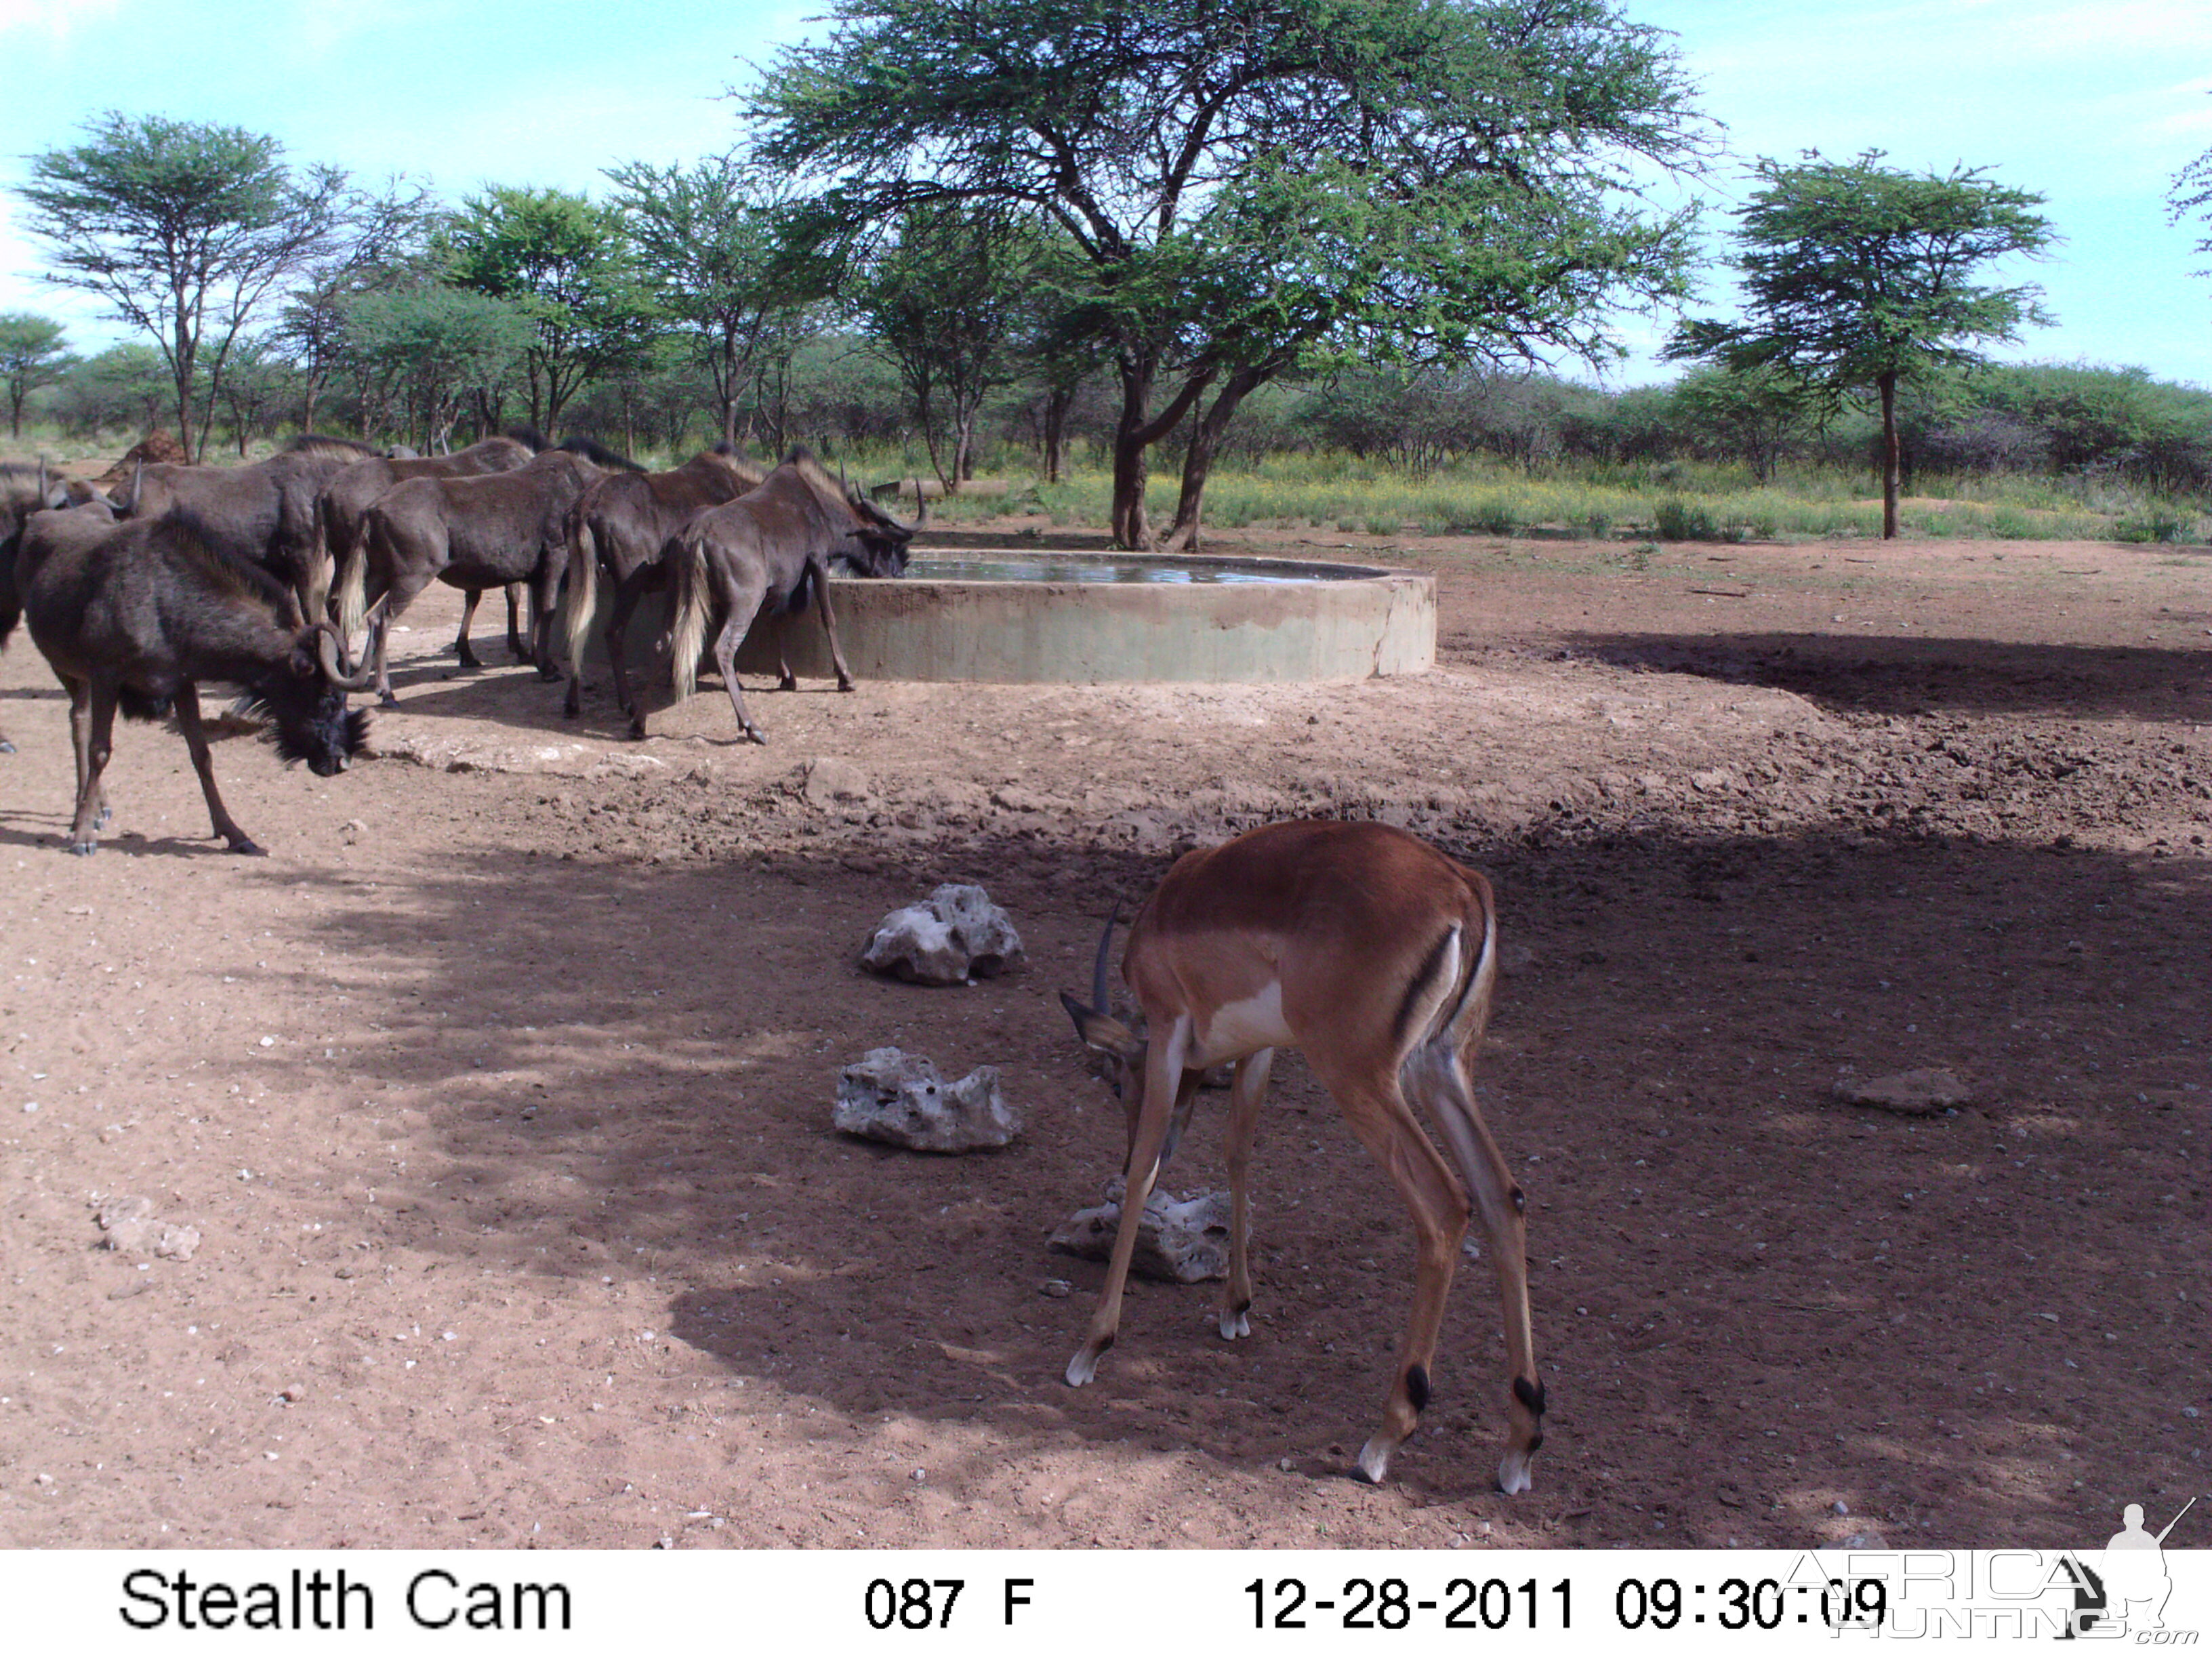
1100	996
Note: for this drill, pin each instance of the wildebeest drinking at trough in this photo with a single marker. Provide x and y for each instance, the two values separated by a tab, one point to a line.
265	513
766	552
619	526
475	533
135	616
341	508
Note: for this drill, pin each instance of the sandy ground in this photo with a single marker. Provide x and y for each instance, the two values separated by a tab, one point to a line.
499	1095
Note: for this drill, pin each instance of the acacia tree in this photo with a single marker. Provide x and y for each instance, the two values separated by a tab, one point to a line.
432	349
567	263
184	229
1249	186
944	300
32	354
1858	276
711	242
382	248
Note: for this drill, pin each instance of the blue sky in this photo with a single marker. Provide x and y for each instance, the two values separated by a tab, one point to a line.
2095	105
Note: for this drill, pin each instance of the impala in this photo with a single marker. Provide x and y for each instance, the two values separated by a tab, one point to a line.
1375	955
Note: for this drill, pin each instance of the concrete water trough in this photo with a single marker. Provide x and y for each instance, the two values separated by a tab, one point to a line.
1081	617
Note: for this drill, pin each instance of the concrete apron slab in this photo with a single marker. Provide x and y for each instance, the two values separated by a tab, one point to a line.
1357	624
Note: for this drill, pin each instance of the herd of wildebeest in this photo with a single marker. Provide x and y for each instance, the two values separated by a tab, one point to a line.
1370	952
141	585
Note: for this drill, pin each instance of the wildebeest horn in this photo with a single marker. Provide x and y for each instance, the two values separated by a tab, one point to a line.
137	477
328	649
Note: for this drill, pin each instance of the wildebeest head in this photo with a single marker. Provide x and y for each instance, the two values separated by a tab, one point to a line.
877	546
306	698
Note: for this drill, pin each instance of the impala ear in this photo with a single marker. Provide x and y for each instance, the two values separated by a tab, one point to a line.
1103	1032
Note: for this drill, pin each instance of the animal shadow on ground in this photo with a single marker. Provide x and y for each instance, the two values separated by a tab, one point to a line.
1746	1294
1889	675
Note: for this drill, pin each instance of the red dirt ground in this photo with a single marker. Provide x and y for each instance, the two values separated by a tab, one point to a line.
499	1093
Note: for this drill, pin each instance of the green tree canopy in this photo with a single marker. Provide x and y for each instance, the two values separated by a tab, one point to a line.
944	299
429	348
1252	184
567	264
33	352
711	242
182	228
1857	276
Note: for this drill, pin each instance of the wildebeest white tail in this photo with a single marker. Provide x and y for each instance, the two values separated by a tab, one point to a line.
583	602
353	578
686	558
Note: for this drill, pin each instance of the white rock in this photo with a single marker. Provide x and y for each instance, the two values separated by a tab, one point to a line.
1182	1240
956	935
891	1096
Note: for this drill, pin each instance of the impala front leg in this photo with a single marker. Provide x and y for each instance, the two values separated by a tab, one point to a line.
1163	1077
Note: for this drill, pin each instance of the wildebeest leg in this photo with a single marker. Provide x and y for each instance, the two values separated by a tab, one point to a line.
515	648
93	728
830	623
188	722
468	615
80	696
397	599
742	594
545	608
627	594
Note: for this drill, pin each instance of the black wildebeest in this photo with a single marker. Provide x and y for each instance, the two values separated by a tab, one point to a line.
768	551
265	513
23	491
342	512
137	617
476	533
619	525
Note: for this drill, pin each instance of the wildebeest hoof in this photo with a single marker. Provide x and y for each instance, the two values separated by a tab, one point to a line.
788	682
99	819
247	850
6	747
546	672
84	849
386	700
754	734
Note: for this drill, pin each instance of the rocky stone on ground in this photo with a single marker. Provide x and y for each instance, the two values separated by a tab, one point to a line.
1178	1240
891	1096
1915	1094
129	1224
956	935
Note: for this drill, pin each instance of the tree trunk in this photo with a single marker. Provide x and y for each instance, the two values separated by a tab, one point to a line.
1056	406
1887	384
1198	460
1133	436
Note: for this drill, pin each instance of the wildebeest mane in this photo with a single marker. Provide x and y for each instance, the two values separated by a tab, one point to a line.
323	443
530	437
185	534
598	454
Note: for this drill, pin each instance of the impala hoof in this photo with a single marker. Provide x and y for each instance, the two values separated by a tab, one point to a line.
1234	1325
754	734
1513	1476
84	849
6	747
1082	1368
1374	1460
99	819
